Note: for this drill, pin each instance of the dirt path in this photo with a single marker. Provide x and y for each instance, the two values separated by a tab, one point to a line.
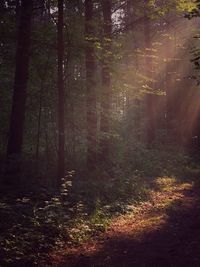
164	231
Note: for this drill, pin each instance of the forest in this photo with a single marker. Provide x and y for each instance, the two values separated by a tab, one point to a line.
100	133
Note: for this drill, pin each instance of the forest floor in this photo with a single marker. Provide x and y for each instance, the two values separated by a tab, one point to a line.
163	231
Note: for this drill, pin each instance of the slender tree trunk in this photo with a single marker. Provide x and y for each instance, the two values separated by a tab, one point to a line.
39	122
15	140
135	128
168	93
150	98
172	112
106	87
61	95
90	86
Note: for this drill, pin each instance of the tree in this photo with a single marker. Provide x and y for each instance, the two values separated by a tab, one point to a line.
90	85
61	94
106	80
150	98
15	140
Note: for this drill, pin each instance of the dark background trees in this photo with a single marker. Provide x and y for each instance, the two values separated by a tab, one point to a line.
119	64
119	70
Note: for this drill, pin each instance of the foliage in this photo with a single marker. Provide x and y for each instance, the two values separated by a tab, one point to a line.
34	225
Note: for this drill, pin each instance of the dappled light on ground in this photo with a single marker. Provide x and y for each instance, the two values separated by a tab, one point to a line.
160	232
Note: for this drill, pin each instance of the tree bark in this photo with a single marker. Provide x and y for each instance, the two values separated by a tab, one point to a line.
61	95
15	139
106	87
90	86
150	98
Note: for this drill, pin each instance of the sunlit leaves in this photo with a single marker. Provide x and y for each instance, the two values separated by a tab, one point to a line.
186	5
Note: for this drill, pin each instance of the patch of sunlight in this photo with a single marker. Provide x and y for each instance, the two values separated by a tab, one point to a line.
150	224
170	184
186	185
166	203
165	181
152	215
154	220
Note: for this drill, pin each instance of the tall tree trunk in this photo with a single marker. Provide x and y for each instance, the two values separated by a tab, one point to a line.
61	95
39	122
169	92
90	86
173	122
106	88
15	139
150	98
135	113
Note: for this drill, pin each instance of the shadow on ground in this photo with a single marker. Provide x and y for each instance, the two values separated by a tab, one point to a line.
175	243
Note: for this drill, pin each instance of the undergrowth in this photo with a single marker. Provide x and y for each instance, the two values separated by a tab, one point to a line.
35	224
